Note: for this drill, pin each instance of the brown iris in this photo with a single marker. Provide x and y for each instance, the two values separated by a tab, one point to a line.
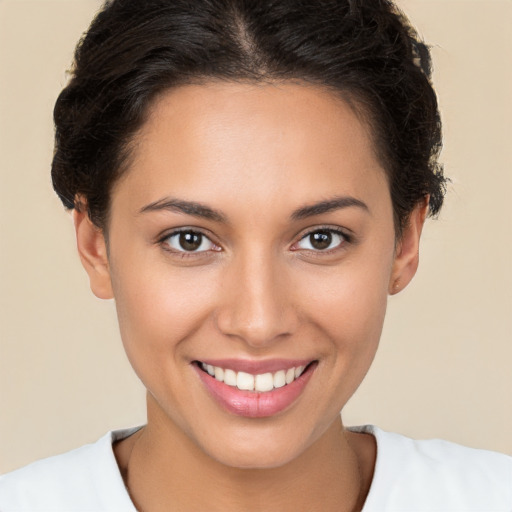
190	241
320	239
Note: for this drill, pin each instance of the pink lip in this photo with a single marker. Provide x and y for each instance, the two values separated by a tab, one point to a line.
252	404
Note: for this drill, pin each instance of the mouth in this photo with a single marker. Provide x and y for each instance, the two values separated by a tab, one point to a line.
255	390
260	383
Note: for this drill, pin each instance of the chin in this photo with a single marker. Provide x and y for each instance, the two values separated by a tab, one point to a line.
249	448
251	458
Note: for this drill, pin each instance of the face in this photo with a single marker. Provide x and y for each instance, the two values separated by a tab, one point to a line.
252	238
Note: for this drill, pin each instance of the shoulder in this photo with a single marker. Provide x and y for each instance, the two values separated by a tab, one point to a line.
86	478
435	475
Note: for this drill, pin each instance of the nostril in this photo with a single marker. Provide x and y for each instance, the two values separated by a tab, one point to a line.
255	304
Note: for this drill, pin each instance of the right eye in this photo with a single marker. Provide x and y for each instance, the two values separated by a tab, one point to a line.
189	241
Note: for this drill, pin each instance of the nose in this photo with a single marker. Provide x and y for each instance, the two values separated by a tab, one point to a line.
256	301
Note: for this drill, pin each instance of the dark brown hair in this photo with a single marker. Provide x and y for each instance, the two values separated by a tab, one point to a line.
365	50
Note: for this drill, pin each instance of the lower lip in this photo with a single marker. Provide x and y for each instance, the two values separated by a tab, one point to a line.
252	404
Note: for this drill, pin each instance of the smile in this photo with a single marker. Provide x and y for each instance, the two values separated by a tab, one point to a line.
255	390
261	383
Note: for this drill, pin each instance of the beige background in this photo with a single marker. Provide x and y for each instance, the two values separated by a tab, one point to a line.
444	367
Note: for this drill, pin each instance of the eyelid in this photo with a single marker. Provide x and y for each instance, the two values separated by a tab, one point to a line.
161	240
346	233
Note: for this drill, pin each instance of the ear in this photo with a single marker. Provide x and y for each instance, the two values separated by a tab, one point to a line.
92	249
407	251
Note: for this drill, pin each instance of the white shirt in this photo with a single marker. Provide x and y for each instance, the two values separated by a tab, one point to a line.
410	476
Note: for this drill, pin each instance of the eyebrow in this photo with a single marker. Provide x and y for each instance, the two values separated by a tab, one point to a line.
188	207
327	206
201	210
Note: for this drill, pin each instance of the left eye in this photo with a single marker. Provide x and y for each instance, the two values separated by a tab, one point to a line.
321	240
189	241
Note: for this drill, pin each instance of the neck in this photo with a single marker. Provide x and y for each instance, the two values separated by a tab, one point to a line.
164	468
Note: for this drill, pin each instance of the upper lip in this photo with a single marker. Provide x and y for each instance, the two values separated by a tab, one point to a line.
256	367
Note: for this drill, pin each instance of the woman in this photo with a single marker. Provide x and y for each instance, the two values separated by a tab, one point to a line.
249	181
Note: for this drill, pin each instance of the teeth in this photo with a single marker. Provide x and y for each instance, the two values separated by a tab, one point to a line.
244	381
264	382
279	379
218	373
261	383
229	378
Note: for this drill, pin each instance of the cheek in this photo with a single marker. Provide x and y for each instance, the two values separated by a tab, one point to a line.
158	308
350	299
348	305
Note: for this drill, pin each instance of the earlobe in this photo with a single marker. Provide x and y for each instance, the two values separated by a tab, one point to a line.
92	249
407	252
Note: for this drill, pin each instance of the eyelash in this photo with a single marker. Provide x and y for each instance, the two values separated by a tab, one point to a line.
164	241
346	239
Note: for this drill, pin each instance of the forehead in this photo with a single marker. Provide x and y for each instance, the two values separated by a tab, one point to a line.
221	140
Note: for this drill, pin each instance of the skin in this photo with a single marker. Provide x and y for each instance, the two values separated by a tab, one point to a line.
256	154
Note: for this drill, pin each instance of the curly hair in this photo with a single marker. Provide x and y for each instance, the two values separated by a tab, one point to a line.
364	50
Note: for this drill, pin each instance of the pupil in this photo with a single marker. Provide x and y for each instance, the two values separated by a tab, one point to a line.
321	239
190	241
